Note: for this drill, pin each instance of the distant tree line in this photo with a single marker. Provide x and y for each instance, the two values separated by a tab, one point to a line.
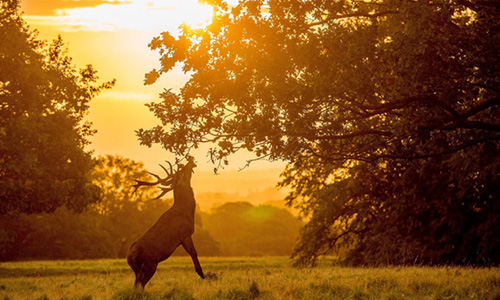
243	229
106	229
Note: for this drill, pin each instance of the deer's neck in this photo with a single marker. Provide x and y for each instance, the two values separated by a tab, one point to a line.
184	198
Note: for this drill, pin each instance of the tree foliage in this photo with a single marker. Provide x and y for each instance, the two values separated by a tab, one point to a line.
386	111
43	99
114	176
104	230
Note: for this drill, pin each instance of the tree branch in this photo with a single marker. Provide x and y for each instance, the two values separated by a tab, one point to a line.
481	107
353	15
352	135
447	151
480	125
475	6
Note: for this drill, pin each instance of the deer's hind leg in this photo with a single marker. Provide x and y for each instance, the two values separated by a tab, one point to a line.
136	266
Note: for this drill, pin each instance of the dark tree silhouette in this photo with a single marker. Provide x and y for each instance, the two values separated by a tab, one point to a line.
43	99
386	111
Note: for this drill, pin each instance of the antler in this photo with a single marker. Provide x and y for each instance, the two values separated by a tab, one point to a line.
159	181
171	171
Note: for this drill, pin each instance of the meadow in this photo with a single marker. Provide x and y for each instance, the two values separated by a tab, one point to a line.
243	278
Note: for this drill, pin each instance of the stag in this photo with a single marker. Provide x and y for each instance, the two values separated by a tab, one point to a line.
174	227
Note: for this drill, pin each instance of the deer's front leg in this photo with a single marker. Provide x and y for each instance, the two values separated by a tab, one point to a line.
188	245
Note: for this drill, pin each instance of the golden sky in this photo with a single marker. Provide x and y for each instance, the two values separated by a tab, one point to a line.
113	36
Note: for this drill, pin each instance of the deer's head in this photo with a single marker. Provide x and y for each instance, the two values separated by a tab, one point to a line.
183	175
180	176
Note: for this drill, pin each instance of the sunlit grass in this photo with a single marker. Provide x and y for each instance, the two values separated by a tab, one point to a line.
243	278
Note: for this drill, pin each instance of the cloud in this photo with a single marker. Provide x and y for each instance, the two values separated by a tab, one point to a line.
50	7
142	15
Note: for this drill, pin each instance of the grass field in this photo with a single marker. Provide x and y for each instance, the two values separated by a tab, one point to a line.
243	278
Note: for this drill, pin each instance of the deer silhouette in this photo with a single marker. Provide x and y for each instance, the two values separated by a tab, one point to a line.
172	229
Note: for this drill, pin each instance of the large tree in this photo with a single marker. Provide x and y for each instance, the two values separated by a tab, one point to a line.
43	99
387	112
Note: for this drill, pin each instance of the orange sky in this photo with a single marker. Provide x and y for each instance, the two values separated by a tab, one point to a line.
113	35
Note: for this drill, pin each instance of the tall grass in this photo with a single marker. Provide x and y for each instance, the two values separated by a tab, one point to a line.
243	278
